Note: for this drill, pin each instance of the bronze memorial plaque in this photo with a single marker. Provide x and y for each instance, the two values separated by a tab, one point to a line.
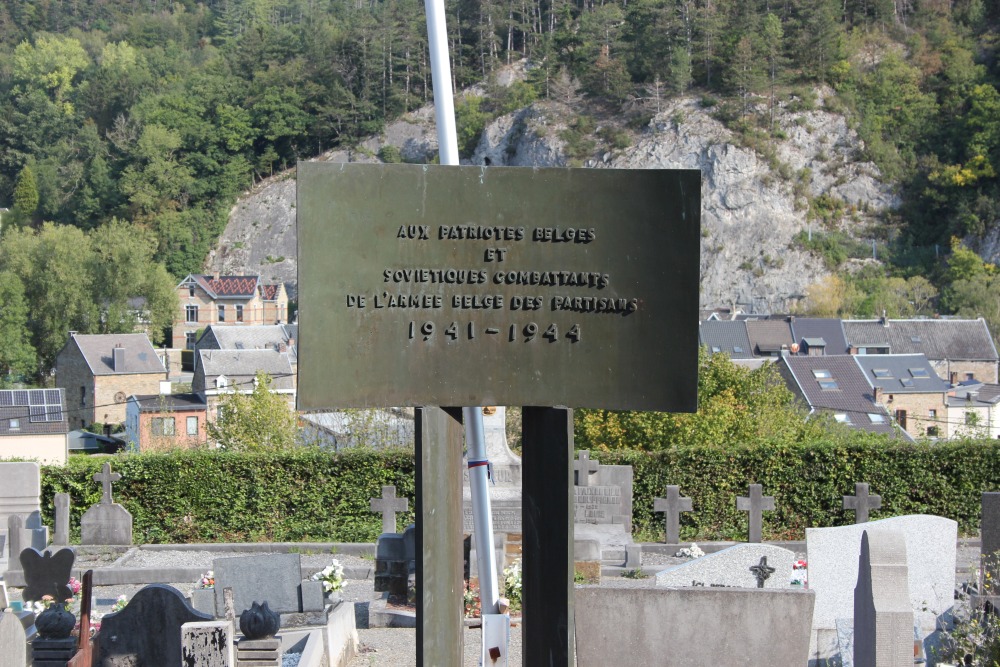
443	285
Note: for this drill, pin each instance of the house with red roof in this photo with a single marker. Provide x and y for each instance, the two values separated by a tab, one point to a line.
225	300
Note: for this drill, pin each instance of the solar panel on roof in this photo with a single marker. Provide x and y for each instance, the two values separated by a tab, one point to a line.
20	397
52	396
6	398
36	397
37	413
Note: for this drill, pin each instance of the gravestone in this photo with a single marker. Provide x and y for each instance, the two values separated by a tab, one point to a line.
672	506
861	502
388	505
395	560
602	510
271	578
47	574
107	522
734	567
20	493
989	549
754	506
61	501
13	641
147	631
930	549
208	644
883	619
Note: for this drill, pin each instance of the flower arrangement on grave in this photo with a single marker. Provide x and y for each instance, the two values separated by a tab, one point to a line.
207	580
470	602
119	604
332	577
55	621
800	573
512	584
694	551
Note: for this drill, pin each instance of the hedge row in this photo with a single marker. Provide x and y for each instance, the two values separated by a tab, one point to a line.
808	482
217	496
311	495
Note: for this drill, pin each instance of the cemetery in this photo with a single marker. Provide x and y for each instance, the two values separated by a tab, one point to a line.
811	552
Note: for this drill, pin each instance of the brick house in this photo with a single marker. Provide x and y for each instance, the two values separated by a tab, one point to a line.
280	337
219	372
909	389
231	300
165	421
33	425
835	385
99	371
959	350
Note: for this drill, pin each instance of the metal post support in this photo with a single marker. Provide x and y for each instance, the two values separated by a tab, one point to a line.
482	517
547	515
439	554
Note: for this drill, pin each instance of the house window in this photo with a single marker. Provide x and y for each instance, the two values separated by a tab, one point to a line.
190	313
822	373
842	418
15	424
162	425
83	396
901	418
192	426
932	413
189	340
970	376
737	349
919	372
933	431
827	384
239	312
876	418
190	290
716	349
882	372
906	382
222	312
221	382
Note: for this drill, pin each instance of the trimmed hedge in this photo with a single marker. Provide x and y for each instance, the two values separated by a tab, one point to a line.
808	482
217	496
313	495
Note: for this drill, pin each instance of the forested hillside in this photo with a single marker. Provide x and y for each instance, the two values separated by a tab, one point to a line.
159	114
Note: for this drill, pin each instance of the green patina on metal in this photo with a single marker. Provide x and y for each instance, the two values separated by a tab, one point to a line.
442	285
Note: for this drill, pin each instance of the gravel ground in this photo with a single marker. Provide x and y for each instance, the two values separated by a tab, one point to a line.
382	647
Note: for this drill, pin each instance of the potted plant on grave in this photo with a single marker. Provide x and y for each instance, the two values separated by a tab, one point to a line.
332	577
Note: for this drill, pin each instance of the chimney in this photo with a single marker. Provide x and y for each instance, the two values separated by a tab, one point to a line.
215	276
884	320
282	347
118	359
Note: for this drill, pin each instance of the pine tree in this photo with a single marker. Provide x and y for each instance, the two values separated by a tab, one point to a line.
25	196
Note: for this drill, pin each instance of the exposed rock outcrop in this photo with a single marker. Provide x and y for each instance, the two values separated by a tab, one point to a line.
752	206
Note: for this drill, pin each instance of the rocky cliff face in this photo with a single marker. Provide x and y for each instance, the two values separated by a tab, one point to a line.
752	207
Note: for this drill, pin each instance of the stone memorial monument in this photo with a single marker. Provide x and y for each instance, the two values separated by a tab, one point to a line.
107	522
883	619
446	286
20	493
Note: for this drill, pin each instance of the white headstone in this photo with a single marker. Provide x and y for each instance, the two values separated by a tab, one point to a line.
20	492
208	644
930	547
737	566
13	641
883	619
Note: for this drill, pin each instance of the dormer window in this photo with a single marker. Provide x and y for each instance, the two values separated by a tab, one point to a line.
221	382
881	373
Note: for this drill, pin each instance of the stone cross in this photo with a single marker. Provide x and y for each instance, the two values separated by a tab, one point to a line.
762	571
106	477
672	506
755	505
62	518
583	467
861	502
388	505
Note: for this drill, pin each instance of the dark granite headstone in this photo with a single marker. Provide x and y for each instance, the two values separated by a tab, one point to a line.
990	544
147	631
271	578
47	574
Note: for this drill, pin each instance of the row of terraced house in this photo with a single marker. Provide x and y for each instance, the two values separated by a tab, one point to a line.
927	377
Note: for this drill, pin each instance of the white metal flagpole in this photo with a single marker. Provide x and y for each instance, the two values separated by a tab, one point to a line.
444	112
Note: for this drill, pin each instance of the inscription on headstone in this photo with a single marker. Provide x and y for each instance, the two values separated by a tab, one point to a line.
505	478
567	287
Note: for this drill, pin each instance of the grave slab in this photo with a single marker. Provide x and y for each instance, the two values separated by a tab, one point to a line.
147	631
707	626
271	578
930	546
733	567
883	619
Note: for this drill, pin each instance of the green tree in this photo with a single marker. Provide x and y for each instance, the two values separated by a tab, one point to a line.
25	196
17	356
258	421
50	64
